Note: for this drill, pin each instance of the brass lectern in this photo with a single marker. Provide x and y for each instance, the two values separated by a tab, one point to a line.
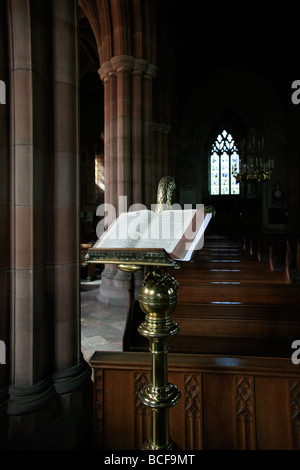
158	299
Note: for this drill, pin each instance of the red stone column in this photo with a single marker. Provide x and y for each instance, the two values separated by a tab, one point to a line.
45	357
71	373
109	78
123	65
4	226
128	167
140	67
31	390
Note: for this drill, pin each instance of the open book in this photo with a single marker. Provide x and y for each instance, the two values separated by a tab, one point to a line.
179	232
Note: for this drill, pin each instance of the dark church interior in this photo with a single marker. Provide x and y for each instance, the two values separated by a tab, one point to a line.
103	99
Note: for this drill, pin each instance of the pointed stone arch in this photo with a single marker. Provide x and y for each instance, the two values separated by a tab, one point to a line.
121	27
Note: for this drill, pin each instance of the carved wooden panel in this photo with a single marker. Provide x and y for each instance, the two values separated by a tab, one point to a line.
295	412
98	407
245	409
193	411
142	413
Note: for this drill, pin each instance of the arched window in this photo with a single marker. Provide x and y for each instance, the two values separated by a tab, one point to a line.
224	160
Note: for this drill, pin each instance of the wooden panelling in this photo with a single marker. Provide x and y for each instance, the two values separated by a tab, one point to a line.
142	413
119	407
295	412
273	415
227	402
186	416
245	412
219	418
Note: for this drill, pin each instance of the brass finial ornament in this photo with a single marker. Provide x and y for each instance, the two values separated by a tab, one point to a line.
165	192
210	209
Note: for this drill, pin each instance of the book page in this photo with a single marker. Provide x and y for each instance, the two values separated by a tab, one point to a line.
166	229
198	241
125	231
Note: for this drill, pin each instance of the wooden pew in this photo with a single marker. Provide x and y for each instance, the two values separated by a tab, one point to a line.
238	292
228	271
229	302
251	309
280	250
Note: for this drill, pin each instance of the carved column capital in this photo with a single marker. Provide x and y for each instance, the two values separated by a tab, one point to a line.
106	71
122	63
140	66
151	72
127	63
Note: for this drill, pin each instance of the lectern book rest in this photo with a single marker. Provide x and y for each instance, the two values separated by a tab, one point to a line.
169	236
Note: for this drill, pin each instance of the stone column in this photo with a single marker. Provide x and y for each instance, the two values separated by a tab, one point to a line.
47	372
4	232
123	65
107	292
128	127
71	375
32	395
140	67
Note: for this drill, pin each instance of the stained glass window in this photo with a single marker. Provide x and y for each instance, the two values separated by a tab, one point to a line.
224	160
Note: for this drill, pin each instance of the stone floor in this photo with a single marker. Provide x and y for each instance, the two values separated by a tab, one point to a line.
102	326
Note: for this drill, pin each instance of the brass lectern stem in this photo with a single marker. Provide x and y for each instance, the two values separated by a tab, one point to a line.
158	298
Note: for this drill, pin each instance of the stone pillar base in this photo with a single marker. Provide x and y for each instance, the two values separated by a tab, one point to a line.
114	289
68	431
74	387
3	412
109	294
52	415
31	407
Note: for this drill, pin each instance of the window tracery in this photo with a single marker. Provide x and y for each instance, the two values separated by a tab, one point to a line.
224	161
